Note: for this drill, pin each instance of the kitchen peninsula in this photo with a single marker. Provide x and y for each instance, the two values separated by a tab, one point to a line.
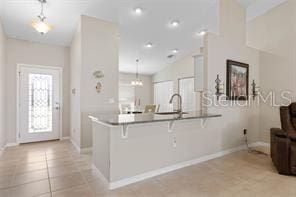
131	147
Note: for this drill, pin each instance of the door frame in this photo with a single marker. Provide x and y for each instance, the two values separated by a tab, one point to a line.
60	70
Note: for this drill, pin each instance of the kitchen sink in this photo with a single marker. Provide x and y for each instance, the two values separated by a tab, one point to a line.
169	113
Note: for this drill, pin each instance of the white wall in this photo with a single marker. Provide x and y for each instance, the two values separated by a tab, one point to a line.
179	69
145	92
231	44
182	68
96	42
2	86
274	34
192	139
75	61
25	52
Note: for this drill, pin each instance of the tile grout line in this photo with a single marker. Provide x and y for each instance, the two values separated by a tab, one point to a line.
48	175
86	183
13	176
84	179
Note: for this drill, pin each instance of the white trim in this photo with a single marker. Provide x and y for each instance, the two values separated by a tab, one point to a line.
80	150
60	69
65	138
2	150
86	150
11	144
101	176
75	145
61	103
259	143
264	144
140	177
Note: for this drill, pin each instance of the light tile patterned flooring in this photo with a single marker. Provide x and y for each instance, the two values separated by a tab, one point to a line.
55	169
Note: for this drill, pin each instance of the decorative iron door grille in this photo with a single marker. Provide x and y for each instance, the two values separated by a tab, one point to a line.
40	103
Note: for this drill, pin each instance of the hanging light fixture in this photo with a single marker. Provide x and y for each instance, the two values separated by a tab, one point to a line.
41	26
138	81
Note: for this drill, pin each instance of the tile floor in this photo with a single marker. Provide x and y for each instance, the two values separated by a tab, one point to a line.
55	169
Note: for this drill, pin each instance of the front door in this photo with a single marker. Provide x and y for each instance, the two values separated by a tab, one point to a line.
39	104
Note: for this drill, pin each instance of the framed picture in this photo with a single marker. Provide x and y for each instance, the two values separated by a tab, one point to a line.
237	76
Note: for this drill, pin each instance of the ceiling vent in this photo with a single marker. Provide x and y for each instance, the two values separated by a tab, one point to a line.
170	56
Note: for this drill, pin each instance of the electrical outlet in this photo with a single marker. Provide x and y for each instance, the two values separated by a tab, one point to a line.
245	131
174	142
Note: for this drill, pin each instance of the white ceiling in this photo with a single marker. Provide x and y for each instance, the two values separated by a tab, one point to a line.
258	7
135	31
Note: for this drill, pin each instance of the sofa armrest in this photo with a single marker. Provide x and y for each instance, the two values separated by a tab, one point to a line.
278	132
279	145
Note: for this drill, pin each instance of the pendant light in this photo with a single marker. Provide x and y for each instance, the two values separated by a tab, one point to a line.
138	81
41	26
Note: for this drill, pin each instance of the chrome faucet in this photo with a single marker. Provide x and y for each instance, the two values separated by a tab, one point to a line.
180	102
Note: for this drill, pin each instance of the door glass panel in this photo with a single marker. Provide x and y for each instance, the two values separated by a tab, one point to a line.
186	90
40	103
163	91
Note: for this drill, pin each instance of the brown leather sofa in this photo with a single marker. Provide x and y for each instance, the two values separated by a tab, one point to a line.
283	141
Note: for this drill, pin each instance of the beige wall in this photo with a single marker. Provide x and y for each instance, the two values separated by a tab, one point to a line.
100	45
274	34
145	92
2	86
32	53
180	69
193	140
75	61
231	44
96	42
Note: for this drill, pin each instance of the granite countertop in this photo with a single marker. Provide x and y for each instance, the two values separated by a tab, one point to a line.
124	119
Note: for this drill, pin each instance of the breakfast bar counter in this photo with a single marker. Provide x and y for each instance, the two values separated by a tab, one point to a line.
131	147
123	119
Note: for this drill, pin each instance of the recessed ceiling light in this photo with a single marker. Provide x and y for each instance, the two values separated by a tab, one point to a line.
202	32
174	23
138	11
175	51
149	45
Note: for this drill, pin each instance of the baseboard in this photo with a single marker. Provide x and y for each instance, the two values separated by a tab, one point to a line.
140	177
11	144
264	144
75	145
101	176
86	150
7	145
65	138
80	150
2	150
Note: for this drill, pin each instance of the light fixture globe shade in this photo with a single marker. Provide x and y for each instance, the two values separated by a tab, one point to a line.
202	32
41	27
138	11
